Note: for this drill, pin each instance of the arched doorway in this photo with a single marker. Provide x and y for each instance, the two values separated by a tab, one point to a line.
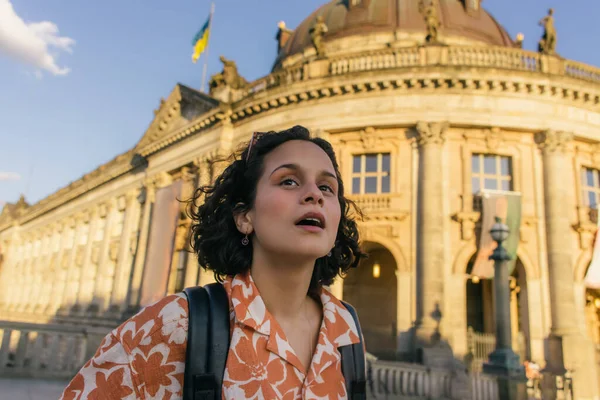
481	321
371	289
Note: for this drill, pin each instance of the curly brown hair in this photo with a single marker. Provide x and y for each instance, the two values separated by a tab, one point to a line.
215	238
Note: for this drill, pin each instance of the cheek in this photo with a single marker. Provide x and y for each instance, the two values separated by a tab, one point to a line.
270	205
335	213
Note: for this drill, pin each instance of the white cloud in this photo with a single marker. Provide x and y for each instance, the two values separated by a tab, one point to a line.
30	42
9	176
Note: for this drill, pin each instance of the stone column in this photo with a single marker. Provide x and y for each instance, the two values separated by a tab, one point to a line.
147	198
124	265
38	270
8	264
569	347
62	265
67	295
100	297
430	232
85	286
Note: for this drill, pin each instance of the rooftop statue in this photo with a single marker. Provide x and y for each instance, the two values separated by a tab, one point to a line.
432	20
547	44
229	77
316	34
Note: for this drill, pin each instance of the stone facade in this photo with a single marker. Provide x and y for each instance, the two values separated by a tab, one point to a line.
420	113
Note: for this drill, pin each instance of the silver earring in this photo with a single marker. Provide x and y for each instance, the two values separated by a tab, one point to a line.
329	254
245	240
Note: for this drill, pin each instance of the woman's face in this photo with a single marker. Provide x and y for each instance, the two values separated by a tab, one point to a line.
296	211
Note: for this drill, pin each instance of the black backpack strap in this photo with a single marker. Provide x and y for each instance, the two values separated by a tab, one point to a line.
207	342
353	363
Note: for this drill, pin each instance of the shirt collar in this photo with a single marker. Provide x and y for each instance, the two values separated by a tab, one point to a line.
250	310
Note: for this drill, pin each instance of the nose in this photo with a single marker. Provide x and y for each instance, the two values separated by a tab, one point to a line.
313	195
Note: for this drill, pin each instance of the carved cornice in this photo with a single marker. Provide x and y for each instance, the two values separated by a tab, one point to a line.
431	133
554	141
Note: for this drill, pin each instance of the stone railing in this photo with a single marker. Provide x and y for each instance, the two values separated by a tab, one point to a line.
494	57
397	380
410	57
373	202
582	71
45	351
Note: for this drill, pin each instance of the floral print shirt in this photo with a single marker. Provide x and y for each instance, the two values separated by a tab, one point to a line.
144	358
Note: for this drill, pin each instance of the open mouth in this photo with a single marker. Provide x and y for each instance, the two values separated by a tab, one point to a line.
312	220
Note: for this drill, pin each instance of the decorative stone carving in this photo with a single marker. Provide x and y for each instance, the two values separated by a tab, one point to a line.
552	140
547	44
432	20
431	132
121	203
493	138
316	34
113	250
467	220
96	253
527	229
369	138
229	77
79	255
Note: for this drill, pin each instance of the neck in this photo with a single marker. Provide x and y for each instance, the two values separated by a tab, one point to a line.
283	285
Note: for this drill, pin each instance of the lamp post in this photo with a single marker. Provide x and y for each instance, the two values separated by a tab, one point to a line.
503	361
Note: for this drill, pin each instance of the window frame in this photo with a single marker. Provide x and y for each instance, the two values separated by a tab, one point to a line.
498	177
362	174
586	189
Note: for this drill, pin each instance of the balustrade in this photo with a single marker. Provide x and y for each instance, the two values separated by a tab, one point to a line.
45	351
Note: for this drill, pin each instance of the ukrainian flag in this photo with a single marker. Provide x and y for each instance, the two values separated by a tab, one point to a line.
201	40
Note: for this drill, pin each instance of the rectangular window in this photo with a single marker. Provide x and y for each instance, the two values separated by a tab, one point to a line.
590	182
371	173
491	172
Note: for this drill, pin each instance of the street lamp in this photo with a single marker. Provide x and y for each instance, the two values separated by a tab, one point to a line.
503	361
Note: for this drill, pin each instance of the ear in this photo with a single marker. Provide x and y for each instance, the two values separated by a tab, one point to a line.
242	219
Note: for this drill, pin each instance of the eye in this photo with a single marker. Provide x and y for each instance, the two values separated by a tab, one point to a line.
326	188
289	182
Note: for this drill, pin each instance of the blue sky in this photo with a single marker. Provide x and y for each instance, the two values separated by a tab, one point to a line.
126	55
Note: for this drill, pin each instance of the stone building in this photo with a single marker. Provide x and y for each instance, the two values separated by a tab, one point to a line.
426	105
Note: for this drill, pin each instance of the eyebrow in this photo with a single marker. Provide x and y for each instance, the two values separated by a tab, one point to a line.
295	167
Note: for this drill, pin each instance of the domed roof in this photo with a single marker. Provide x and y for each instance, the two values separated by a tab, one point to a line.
343	19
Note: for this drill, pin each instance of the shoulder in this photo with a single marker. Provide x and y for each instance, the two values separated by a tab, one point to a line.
165	321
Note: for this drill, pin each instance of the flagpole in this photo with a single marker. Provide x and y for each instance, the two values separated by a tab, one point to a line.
205	67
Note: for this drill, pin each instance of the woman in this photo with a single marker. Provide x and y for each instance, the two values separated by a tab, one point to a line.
274	228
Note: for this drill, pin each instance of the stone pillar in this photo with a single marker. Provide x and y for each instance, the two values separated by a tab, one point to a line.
38	268
124	264
62	266
67	290
100	298
430	233
7	274
147	198
85	287
50	268
569	347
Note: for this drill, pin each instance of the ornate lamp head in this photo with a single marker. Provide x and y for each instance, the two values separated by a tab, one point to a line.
499	231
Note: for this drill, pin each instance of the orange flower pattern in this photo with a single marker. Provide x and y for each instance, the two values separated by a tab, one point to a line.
144	358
